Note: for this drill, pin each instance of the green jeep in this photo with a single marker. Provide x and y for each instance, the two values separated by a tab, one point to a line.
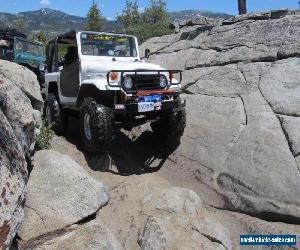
15	47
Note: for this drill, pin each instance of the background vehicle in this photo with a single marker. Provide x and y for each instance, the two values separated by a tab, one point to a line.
101	76
15	47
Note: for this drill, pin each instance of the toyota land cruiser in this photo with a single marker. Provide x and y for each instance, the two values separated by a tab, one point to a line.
102	78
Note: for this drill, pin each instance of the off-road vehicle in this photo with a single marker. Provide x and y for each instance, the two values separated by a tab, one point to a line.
15	47
101	77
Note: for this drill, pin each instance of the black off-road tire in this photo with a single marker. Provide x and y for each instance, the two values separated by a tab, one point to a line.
102	126
58	119
170	127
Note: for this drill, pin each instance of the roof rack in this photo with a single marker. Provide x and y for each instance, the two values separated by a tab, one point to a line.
108	32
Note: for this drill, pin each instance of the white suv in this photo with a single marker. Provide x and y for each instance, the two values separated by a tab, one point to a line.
101	77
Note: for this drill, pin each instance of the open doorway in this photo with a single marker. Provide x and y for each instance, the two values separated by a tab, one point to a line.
68	64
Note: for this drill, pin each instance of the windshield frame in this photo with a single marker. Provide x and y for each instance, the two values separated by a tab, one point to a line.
31	43
106	56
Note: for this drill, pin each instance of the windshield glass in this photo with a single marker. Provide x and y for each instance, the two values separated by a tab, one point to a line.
29	47
108	45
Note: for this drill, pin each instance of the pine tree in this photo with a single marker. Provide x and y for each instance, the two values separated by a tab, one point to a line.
19	25
242	7
130	16
41	36
154	21
156	12
94	18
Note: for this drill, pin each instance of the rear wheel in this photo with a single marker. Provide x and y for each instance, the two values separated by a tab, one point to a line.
96	126
170	127
54	114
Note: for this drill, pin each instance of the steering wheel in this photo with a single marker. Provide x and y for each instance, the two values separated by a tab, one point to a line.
119	52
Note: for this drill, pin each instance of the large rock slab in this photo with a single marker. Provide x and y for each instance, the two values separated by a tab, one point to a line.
150	212
175	218
173	200
249	40
174	222
212	57
237	224
260	172
24	79
237	82
227	81
92	236
214	124
170	60
20	105
155	44
281	88
24	120
291	45
21	102
258	37
291	128
263	15
240	156
13	178
60	193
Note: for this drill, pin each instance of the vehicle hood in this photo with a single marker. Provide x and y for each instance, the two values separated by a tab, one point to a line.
103	67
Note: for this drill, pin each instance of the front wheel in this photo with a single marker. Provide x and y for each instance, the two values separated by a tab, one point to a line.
96	126
170	127
54	114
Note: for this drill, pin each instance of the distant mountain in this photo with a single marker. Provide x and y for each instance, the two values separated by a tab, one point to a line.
55	21
190	14
50	20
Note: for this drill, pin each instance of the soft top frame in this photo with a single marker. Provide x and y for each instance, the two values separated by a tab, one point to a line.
11	33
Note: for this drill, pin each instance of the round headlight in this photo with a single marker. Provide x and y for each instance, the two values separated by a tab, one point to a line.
163	81
127	82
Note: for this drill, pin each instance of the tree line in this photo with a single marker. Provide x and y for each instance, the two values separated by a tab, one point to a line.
153	21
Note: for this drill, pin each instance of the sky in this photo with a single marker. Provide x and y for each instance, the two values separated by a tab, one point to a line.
111	7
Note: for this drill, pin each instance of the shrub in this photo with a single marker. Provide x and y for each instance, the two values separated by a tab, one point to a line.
44	138
153	22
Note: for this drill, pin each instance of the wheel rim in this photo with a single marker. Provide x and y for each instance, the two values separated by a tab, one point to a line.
48	115
86	126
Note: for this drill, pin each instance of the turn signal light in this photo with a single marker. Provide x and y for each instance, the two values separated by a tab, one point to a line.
113	76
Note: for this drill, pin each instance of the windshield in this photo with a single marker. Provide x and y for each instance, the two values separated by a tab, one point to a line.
108	45
29	47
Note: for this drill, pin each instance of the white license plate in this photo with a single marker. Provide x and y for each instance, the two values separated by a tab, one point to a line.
145	107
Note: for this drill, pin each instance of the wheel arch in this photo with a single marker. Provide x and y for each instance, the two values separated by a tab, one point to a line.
105	97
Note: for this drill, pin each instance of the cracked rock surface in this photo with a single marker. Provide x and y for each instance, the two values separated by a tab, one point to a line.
146	211
60	193
20	121
91	235
241	80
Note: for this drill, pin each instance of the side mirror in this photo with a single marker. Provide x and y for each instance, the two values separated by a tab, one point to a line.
42	67
147	53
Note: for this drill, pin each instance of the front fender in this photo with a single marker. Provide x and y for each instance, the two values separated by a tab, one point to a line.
100	84
98	92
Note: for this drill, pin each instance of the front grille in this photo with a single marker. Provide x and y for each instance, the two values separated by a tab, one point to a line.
146	82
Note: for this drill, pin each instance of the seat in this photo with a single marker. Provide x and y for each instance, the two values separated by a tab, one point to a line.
69	79
71	55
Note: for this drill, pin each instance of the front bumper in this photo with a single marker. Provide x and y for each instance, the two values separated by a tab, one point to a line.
132	108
